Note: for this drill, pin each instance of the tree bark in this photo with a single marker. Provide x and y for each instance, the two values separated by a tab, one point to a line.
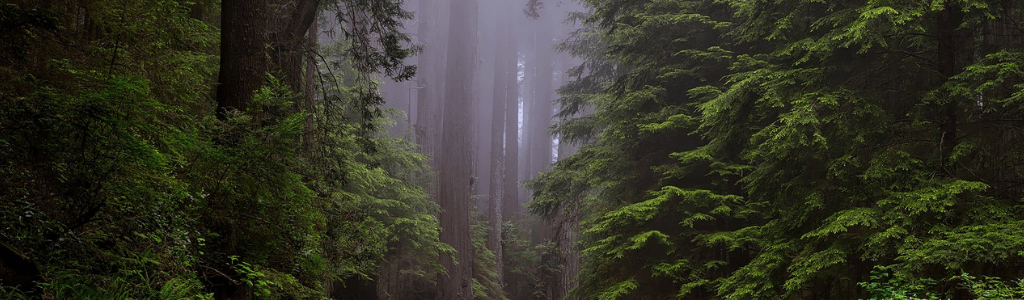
949	54
502	71
429	89
541	112
568	224
243	62
510	179
526	135
455	168
308	104
510	187
287	27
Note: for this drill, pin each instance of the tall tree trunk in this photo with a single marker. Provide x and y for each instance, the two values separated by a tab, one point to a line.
949	52
455	169
243	65
243	60
540	112
568	224
510	187
424	65
526	138
308	104
502	70
569	258
429	87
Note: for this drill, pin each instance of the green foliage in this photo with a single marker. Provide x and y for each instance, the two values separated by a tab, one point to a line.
884	285
91	191
485	277
251	277
887	286
778	149
120	183
993	287
530	268
379	180
12	293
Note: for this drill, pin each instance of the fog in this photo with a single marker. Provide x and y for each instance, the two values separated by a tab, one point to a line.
497	63
539	71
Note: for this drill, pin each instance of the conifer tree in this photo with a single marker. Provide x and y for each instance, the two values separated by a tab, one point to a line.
454	168
788	148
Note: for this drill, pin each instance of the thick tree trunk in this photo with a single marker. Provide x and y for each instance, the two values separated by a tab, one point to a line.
569	257
429	87
243	66
287	28
949	52
243	60
455	169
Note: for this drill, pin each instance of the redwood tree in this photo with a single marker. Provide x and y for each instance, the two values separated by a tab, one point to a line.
243	62
503	69
454	165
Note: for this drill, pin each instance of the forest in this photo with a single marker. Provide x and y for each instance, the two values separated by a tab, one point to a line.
511	149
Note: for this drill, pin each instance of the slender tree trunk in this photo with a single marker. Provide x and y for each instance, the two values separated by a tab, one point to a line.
949	54
510	188
526	138
455	169
425	66
502	70
308	104
540	113
243	60
568	225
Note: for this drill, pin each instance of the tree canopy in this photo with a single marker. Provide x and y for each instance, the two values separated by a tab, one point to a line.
791	149
695	149
123	181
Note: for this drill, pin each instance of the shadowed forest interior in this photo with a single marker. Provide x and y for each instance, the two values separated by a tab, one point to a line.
511	149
